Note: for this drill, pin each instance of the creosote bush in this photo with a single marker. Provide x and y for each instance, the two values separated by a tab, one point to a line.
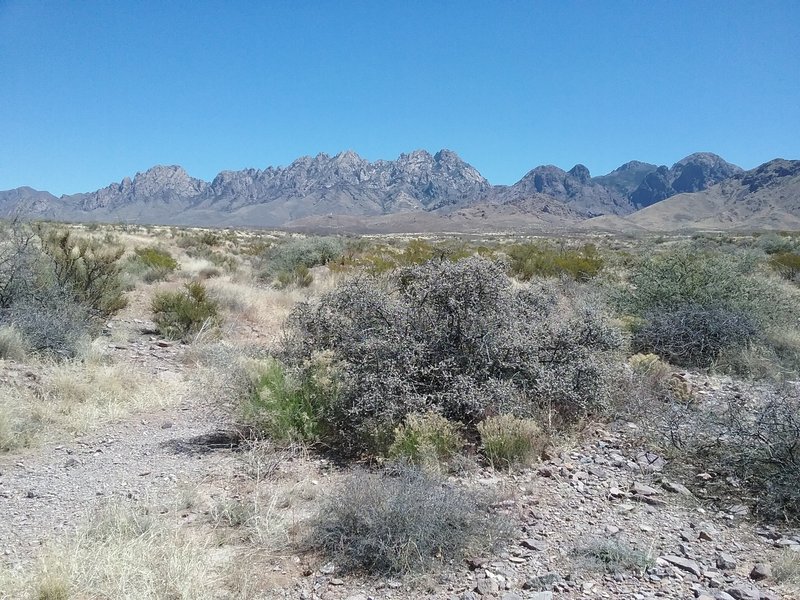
700	309
396	524
536	260
156	264
426	440
184	315
507	440
56	289
459	339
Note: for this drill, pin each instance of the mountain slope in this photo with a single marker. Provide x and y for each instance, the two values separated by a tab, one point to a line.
767	197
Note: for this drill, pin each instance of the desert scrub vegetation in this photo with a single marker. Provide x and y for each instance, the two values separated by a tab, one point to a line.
428	441
540	260
72	397
56	289
613	556
287	407
289	263
746	443
700	309
185	315
457	338
122	553
151	264
402	522
507	440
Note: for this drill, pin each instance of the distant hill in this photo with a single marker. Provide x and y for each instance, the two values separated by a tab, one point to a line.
420	191
767	197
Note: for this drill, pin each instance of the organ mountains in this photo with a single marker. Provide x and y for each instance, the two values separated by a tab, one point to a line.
416	192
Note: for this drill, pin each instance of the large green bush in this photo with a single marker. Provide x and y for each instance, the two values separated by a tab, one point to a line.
459	339
694	307
183	315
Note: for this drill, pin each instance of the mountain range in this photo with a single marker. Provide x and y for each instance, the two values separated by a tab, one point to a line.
420	191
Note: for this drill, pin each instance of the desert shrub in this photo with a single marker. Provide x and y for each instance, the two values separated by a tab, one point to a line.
458	339
693	336
746	442
694	307
427	440
299	276
507	440
183	315
772	243
390	524
86	269
535	260
301	252
51	322
155	264
787	264
613	556
286	406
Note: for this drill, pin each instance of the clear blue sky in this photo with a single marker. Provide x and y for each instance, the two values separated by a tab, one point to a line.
93	91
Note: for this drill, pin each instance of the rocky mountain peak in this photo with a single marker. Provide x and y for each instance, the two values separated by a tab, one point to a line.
581	173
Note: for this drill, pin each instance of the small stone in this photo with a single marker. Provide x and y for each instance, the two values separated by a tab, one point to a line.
337	581
541	596
167	425
542	583
676	488
327	569
71	462
643	490
684	564
486	587
476	563
705	535
761	571
532	544
725	561
510	596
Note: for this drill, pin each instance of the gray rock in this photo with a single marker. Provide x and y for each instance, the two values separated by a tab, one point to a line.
760	572
685	564
676	488
487	586
744	592
725	561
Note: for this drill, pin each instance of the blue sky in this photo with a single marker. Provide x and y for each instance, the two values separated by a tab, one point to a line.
93	91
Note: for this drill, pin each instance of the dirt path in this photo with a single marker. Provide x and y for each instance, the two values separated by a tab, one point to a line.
47	492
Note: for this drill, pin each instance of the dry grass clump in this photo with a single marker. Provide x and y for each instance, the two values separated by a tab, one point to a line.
12	344
122	553
76	396
402	522
427	440
508	440
613	556
786	567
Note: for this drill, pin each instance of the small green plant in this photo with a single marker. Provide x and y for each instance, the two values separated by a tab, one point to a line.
507	440
157	264
182	315
402	522
426	440
286	406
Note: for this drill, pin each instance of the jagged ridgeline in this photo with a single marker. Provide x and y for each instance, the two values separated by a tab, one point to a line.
420	191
